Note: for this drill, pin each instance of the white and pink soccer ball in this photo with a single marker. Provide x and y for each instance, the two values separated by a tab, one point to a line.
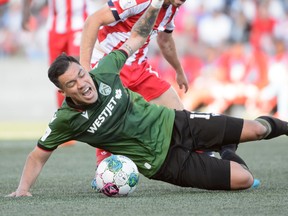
119	174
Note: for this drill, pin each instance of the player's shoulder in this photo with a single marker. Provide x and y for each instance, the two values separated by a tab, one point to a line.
114	60
66	113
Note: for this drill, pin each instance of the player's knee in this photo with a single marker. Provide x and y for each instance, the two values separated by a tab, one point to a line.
253	130
169	99
240	178
260	130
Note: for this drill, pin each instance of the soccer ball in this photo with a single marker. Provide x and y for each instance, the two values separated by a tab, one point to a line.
117	175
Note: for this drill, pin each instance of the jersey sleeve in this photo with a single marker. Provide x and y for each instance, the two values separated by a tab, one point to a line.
122	9
171	25
57	133
111	63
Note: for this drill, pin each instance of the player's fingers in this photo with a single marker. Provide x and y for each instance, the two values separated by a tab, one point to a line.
186	87
29	194
26	194
13	194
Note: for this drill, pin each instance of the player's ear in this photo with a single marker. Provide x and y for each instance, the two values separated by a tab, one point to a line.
62	92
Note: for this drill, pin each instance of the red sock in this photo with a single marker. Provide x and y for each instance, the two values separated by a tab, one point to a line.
101	155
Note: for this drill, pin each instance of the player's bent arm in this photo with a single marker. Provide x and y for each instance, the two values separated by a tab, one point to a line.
168	49
32	168
91	27
142	28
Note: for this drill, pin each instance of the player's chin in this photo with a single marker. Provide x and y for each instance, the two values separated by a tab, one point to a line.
89	100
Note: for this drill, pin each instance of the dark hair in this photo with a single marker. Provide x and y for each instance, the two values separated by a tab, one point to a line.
59	67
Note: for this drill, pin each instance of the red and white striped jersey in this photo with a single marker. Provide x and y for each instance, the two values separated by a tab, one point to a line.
126	14
69	15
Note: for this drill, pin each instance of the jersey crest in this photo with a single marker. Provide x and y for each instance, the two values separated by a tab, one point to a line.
104	89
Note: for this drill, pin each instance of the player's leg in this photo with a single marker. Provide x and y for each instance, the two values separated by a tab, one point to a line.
240	176
74	40
228	152
211	129
169	99
57	43
191	169
185	167
263	127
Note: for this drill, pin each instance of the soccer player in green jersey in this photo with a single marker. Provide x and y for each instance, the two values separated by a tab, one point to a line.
163	143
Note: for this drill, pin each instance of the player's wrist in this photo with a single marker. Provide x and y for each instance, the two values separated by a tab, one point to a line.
157	3
22	192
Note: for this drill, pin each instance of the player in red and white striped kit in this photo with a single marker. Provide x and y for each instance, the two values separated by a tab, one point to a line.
65	22
108	28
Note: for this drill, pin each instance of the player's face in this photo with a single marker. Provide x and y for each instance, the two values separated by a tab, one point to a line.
78	84
177	3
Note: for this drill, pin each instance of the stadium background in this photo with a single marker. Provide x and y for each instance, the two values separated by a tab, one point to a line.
228	48
28	101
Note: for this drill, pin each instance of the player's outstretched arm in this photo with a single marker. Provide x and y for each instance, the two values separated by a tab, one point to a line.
32	168
90	31
142	28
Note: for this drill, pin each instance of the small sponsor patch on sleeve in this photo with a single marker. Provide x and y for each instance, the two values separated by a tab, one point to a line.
47	133
125	4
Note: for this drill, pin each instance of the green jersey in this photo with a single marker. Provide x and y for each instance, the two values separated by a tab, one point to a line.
120	121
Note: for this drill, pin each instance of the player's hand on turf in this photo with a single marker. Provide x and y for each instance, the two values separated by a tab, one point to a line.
19	194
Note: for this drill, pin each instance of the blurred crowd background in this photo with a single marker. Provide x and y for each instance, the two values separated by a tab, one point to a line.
234	52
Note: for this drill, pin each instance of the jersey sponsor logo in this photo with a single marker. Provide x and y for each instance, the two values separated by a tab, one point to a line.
104	89
202	115
118	94
53	118
106	112
48	130
147	165
125	4
85	114
47	133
